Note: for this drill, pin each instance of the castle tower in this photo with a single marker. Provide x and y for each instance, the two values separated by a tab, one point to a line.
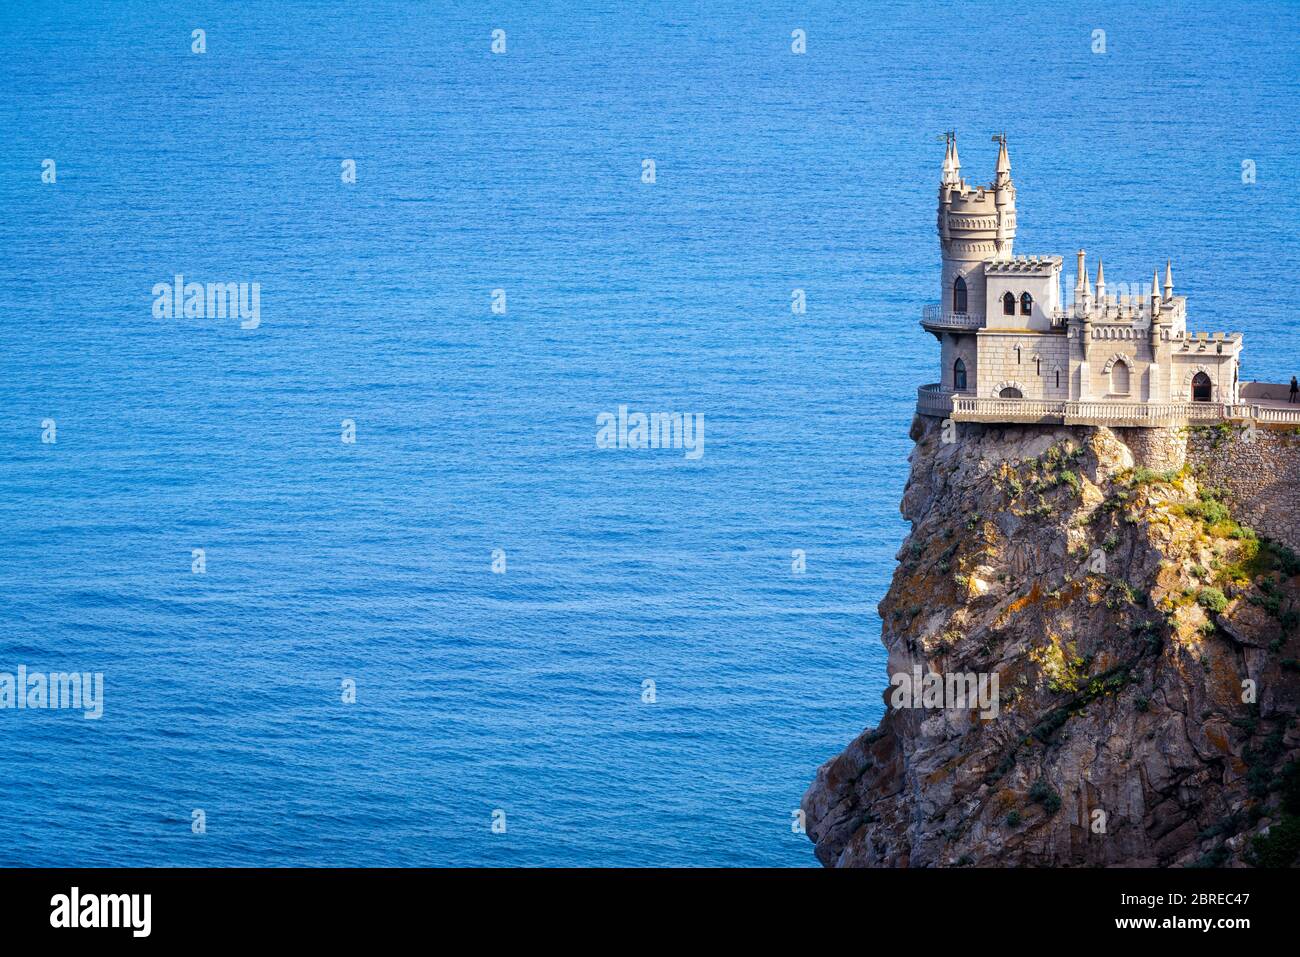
974	224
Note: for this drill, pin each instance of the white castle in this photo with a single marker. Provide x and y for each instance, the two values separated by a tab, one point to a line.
1011	351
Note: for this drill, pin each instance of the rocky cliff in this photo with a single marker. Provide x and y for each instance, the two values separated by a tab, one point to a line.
1136	596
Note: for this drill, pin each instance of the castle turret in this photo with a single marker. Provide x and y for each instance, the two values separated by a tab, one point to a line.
1004	198
1082	312
1078	286
1169	279
974	224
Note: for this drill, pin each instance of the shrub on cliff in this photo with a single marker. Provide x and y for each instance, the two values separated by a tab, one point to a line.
1291	787
1141	475
1067	477
1212	599
1042	793
1279	847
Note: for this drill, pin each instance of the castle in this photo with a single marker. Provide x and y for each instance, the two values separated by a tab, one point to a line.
1011	351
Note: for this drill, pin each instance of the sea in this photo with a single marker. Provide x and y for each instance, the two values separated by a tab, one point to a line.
361	583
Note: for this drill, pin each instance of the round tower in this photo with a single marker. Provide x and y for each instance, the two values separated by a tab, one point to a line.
975	224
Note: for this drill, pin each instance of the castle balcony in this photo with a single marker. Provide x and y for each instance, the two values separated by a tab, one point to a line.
935	319
934	400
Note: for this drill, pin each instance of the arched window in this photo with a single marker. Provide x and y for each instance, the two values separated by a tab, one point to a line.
959	375
1119	378
1011	393
1017	351
1008	304
1026	304
1038	365
1201	387
959	295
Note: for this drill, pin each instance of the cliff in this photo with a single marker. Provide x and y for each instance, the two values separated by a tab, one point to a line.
1135	594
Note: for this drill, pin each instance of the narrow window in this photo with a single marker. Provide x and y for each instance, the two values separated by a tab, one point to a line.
1058	378
959	295
1026	304
1119	378
959	375
1038	366
1008	305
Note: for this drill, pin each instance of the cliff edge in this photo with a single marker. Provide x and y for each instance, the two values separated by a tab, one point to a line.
1131	597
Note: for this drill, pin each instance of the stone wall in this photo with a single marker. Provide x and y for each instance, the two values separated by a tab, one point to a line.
1135	353
958	345
1261	470
1222	370
999	365
1161	450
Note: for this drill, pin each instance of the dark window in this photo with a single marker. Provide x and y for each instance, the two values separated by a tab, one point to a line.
1008	305
1010	393
1026	304
1058	378
959	375
959	295
1201	387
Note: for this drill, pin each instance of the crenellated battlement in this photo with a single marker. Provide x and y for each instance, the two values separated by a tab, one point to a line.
1023	266
974	202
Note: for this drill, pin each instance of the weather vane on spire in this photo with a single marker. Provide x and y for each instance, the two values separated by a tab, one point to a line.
1000	138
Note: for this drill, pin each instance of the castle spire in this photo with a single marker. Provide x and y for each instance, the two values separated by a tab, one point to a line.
1004	161
1169	279
951	165
1101	282
1079	278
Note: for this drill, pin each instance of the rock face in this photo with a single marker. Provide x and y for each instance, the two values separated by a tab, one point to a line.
1144	645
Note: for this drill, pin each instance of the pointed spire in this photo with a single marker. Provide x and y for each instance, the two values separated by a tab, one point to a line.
951	165
1004	161
1155	284
1169	279
1101	281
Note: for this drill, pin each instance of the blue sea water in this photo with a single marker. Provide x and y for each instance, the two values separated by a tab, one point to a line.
475	431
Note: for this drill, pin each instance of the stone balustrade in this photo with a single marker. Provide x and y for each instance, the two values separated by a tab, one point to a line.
932	400
934	317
